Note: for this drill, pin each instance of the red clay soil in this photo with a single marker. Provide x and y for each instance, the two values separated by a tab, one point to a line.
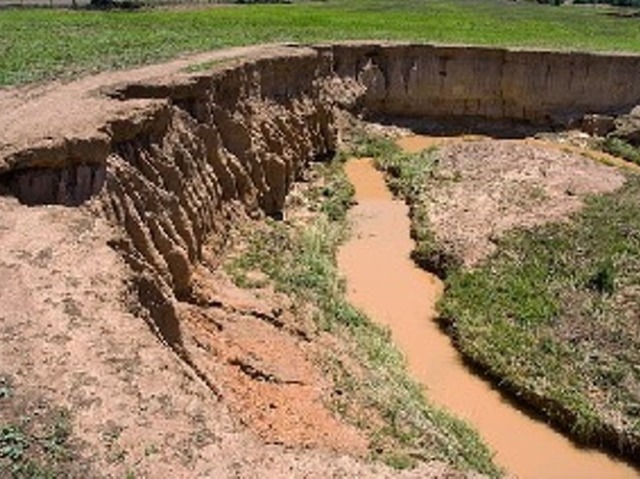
261	356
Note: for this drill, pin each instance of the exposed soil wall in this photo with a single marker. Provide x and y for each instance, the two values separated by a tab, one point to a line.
174	158
273	109
223	145
536	86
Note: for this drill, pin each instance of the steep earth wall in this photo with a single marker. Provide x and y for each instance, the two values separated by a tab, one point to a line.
536	86
220	146
67	165
174	158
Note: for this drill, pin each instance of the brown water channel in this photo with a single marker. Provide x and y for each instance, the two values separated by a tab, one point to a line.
383	281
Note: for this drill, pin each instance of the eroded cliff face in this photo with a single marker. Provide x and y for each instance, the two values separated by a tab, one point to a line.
175	159
536	86
269	109
232	146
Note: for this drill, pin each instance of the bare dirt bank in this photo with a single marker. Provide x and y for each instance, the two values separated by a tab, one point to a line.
161	162
514	184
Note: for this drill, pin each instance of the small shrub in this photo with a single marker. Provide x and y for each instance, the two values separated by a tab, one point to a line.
603	280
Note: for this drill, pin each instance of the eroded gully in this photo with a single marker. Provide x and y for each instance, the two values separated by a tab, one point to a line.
383	281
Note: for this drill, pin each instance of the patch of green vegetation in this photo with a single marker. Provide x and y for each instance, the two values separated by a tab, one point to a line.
377	394
34	439
335	196
41	44
5	388
363	144
554	315
622	149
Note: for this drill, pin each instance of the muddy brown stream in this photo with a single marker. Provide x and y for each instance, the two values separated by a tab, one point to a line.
383	281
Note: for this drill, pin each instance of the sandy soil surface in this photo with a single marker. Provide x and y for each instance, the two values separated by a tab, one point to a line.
484	188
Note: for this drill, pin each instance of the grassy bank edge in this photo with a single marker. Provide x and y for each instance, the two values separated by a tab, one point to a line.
554	383
300	260
572	413
622	149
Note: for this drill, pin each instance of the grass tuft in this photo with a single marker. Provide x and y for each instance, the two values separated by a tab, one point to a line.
622	149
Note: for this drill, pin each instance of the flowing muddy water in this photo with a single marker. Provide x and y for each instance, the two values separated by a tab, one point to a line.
384	282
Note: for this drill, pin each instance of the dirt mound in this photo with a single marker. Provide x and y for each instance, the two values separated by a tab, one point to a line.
482	189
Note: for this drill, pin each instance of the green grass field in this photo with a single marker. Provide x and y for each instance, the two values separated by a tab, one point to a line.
41	44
